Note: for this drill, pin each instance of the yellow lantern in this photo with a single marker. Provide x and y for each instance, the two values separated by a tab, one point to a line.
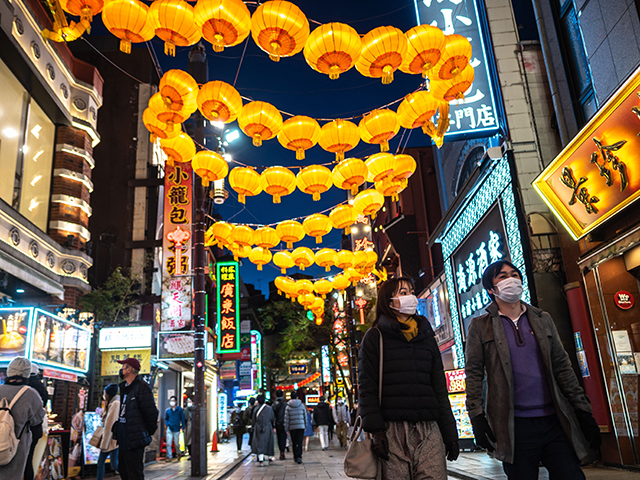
174	22
303	257
405	165
279	28
299	133
210	166
241	251
224	23
353	276
156	128
266	237
279	284
162	113
424	49
260	121
339	136
290	232
453	89
322	287
307	300
179	91
359	259
318	304
260	256
283	260
179	149
332	49
378	127
317	225
349	174
85	9
368	202
382	52
390	187
314	180
127	20
456	55
304	287
278	182
221	233
341	282
219	102
326	258
246	181
417	109
372	258
380	165
343	216
291	290
344	259
242	235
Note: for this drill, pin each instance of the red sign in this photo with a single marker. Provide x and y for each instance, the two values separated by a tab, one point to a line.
624	300
59	375
456	380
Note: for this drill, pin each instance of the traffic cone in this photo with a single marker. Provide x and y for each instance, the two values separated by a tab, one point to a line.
214	443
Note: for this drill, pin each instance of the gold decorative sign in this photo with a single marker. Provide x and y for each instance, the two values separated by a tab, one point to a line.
110	365
598	173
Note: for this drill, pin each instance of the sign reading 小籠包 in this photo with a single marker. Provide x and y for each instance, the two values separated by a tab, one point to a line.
228	307
597	174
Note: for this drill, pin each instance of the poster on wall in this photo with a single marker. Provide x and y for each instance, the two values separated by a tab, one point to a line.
14	328
92	421
51	466
176	345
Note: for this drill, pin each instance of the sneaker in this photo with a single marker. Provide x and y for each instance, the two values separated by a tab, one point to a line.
261	464
239	451
298	460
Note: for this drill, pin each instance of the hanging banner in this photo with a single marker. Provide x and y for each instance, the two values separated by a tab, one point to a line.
176	248
228	308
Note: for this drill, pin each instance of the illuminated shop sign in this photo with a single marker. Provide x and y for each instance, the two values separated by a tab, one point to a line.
298	369
117	338
16	327
228	307
326	364
176	345
256	359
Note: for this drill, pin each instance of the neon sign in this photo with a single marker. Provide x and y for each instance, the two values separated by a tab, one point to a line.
228	307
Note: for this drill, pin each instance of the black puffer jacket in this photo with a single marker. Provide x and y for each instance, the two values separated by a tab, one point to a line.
413	385
322	414
278	410
140	415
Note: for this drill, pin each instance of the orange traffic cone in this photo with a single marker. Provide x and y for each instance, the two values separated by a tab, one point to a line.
214	442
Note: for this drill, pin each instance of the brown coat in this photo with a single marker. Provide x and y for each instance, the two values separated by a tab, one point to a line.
487	349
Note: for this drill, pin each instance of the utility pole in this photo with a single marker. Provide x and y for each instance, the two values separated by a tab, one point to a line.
198	70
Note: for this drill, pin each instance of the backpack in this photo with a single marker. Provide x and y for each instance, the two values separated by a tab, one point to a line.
237	420
8	440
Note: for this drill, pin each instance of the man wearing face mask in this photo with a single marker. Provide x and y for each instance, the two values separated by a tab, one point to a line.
536	411
174	421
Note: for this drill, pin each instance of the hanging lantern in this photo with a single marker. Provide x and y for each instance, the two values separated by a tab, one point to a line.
317	225
353	276
219	102
279	28
174	22
382	52
378	127
156	128
304	287
372	258
343	216
242	235
319	317
260	256
322	287
127	20
210	166
224	23
179	91
341	282
314	180
260	121
266	237
287	286
299	133
283	261
390	187
307	300
368	202
359	259
424	49
339	136
246	181
179	149
303	257
163	114
456	55
278	182
326	258
290	232
241	251
318	304
454	89
85	9
221	233
405	165
349	174
279	284
332	49
380	165
417	109
344	259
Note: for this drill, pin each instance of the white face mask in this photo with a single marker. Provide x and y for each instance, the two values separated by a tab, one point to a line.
509	290
173	404
408	304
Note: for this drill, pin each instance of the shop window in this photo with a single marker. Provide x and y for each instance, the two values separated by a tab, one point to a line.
471	161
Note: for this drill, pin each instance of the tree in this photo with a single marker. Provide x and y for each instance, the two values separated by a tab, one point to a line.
112	301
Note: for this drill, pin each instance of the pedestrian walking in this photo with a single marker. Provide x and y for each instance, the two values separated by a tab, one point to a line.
414	430
322	417
36	383
188	423
278	410
137	422
341	418
308	431
108	444
536	410
263	423
174	423
295	422
248	417
239	428
25	409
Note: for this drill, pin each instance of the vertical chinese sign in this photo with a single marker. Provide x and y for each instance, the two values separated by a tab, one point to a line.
228	307
176	254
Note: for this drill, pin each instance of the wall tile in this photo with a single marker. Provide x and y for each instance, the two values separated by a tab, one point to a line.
592	26
623	42
612	11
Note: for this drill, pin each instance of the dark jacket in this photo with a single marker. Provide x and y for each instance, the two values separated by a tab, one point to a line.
414	388
278	410
487	350
36	383
140	415
322	414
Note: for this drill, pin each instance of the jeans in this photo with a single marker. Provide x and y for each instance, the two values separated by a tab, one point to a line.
296	442
103	458
282	438
131	463
173	437
542	439
323	433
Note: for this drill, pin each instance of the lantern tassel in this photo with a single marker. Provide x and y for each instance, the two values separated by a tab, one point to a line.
257	140
170	48
241	198
318	239
327	268
316	196
218	44
205	182
384	146
275	51
301	267
300	154
354	190
387	75
289	244
276	198
339	156
334	72
125	45
259	267
283	271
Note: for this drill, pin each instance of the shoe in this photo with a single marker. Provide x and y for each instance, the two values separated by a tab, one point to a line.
282	457
239	451
261	464
298	460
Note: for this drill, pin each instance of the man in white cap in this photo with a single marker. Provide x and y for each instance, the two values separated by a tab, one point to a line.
26	412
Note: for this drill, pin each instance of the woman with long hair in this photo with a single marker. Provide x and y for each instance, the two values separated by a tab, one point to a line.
108	444
414	430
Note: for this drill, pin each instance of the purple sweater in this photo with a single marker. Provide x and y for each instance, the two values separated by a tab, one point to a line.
531	394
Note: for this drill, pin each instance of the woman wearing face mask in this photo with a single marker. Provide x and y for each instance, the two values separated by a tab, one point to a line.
413	428
108	445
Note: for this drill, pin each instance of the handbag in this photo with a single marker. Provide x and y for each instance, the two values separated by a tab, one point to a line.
96	438
360	461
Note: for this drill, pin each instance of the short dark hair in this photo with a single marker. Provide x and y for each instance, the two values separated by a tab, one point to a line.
294	395
173	397
252	401
385	293
492	272
260	399
321	398
279	393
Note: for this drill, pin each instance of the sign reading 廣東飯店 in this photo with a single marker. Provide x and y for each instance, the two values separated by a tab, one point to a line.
228	307
597	174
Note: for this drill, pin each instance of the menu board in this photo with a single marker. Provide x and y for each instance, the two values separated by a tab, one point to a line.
14	329
92	421
174	345
60	343
52	466
458	406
